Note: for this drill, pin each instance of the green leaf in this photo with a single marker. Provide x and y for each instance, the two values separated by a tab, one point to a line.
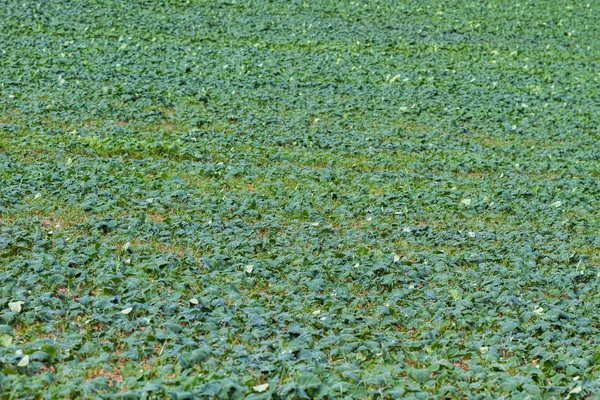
50	349
308	381
421	375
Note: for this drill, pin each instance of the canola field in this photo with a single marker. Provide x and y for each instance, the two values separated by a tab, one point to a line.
299	199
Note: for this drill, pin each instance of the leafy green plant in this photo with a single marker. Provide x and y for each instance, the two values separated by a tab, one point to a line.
250	199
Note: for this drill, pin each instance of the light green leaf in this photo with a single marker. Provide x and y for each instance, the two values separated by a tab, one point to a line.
455	294
576	389
16	306
261	388
24	361
5	340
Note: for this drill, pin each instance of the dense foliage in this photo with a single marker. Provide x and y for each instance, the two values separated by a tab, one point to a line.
299	199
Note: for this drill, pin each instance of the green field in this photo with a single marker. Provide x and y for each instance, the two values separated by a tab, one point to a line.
299	199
